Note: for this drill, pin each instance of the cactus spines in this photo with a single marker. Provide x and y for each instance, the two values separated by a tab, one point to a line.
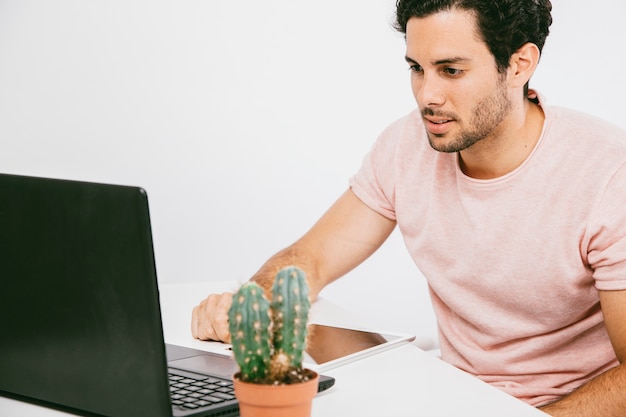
269	338
249	328
290	311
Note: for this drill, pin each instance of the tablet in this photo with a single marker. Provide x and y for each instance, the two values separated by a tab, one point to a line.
329	347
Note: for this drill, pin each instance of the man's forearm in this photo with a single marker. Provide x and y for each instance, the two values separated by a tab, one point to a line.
603	396
292	255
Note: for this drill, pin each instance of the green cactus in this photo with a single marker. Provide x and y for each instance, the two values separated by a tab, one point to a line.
271	352
249	324
290	312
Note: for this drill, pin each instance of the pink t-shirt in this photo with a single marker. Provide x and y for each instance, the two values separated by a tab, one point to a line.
514	263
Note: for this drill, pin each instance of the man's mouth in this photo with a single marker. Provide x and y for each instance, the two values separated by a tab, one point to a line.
438	126
438	121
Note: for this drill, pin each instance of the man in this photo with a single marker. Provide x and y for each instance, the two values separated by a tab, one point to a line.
514	211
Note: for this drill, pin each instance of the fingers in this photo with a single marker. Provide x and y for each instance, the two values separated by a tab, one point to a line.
209	319
221	317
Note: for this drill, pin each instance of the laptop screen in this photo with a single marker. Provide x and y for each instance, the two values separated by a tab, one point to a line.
79	309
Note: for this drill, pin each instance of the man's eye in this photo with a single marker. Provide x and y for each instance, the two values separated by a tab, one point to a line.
415	68
453	72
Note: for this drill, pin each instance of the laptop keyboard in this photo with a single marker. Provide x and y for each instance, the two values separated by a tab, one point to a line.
190	393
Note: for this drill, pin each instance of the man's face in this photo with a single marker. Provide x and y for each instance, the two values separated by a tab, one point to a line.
462	96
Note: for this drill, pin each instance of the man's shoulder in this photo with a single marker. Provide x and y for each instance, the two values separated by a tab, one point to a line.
586	123
584	128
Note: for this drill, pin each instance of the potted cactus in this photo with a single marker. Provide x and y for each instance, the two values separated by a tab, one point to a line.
268	339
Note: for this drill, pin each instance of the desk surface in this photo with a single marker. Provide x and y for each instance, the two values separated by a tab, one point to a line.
404	381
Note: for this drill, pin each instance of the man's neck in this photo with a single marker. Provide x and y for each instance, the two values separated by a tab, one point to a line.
508	147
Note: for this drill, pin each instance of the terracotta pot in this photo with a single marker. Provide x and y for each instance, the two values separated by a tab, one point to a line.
289	400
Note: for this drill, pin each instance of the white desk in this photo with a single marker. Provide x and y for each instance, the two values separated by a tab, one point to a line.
404	381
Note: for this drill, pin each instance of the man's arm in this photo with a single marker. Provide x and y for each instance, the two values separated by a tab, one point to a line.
605	395
347	234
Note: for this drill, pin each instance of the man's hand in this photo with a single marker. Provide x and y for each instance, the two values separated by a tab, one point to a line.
209	319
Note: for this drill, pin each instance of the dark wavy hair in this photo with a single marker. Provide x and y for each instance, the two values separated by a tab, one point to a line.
505	25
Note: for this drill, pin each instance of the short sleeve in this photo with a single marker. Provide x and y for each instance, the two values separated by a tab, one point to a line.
607	231
374	183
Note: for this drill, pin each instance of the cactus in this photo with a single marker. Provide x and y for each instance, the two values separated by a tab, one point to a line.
249	324
271	352
290	311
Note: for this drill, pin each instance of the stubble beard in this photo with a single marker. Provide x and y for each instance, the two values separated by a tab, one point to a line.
486	117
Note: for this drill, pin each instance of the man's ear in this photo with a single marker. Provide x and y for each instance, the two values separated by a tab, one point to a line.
523	64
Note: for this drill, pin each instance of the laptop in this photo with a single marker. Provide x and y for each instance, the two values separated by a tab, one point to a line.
80	319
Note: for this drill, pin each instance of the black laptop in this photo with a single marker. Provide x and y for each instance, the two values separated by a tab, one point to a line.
79	308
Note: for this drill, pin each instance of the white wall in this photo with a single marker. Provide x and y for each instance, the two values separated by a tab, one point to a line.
244	119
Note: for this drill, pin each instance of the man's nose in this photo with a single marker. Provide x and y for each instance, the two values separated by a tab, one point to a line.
428	91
